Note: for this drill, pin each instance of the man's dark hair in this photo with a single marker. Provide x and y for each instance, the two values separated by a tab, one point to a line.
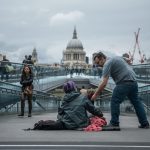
126	55
100	55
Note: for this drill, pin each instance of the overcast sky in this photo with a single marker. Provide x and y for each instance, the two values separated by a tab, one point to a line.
47	25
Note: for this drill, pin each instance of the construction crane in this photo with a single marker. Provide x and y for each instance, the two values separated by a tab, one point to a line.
136	45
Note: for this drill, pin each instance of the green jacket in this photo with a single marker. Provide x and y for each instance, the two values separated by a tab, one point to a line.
73	111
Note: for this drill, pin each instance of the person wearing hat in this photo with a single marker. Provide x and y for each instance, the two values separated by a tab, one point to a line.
126	86
72	114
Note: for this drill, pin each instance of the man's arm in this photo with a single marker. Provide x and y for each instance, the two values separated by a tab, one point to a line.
92	109
100	87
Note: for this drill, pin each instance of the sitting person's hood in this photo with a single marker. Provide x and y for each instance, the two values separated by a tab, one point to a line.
70	96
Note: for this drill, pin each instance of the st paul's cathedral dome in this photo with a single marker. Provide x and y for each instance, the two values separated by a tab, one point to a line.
74	55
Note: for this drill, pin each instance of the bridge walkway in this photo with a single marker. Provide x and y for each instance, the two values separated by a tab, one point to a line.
11	131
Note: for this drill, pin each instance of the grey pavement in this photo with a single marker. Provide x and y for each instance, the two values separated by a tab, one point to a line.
12	134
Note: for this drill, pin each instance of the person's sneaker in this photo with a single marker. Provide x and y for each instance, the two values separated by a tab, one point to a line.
144	126
111	127
21	115
29	115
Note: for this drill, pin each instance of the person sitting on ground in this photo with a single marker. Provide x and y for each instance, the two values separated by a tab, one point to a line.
72	114
83	90
90	93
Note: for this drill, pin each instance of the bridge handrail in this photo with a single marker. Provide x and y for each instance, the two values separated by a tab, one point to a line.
137	65
19	88
36	93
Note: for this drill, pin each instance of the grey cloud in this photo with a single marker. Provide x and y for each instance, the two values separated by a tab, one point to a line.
107	25
7	47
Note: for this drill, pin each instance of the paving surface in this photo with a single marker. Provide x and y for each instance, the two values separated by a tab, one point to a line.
12	133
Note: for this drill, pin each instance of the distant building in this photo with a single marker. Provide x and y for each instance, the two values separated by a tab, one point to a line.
34	56
1	57
148	60
74	55
87	59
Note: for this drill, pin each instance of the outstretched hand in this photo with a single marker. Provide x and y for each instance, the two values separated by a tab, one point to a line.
93	97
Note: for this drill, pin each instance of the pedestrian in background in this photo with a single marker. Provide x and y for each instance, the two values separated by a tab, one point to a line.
25	59
83	90
27	89
4	68
127	58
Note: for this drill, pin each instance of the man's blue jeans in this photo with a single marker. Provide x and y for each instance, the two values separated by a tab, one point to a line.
129	89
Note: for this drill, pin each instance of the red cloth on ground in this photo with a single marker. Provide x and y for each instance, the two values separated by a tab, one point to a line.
96	124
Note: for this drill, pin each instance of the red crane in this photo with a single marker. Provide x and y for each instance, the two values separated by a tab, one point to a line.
136	45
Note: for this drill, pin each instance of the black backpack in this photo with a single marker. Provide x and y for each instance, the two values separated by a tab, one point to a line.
43	125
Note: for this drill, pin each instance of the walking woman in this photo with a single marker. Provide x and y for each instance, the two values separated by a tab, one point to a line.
27	88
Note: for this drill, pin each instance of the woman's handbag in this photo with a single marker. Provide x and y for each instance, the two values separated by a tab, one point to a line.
28	90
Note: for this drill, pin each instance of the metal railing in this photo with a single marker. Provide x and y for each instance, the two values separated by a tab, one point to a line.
10	95
47	78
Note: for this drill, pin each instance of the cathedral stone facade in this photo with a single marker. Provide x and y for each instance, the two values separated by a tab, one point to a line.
74	55
34	56
1	57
